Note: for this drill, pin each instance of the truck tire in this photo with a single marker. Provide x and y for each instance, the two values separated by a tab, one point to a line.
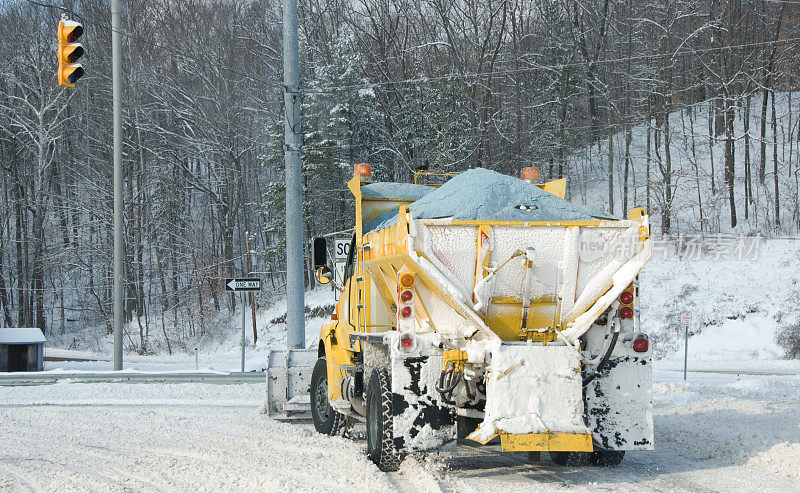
380	438
607	458
327	420
602	458
467	425
571	459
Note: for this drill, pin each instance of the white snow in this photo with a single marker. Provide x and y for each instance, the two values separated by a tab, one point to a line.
21	335
782	458
740	304
65	393
751	337
188	437
713	433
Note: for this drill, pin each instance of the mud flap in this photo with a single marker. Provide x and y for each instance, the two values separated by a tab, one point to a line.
421	422
619	403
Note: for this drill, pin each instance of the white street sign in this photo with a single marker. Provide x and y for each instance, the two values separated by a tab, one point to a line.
244	284
340	249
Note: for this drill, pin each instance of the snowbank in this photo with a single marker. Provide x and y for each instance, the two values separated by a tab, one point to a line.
731	421
736	307
782	458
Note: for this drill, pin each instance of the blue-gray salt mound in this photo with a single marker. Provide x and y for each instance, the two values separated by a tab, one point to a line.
396	191
487	195
381	221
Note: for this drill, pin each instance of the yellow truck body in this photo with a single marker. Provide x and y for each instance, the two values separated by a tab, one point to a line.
526	330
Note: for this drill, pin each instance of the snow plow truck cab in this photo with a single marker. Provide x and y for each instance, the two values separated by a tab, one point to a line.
487	307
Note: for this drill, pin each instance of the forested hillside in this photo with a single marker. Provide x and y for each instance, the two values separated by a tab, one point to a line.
764	183
581	88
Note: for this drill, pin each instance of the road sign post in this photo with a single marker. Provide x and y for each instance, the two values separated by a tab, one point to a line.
687	321
243	285
244	327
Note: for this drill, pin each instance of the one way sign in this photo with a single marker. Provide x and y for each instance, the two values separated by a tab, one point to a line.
243	284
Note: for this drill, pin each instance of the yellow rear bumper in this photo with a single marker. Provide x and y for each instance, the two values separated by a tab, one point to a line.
533	442
557	442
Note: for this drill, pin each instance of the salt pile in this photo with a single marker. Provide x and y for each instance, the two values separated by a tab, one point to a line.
394	191
479	194
488	195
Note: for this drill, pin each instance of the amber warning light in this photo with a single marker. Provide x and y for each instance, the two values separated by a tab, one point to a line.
364	170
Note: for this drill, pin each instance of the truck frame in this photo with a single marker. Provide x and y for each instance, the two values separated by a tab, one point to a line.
445	328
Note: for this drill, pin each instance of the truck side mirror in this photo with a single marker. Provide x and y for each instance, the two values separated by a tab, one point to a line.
323	275
320	252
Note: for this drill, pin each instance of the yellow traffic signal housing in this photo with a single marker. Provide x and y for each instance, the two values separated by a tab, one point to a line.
69	52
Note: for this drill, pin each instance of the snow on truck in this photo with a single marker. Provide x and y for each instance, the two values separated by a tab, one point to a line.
486	307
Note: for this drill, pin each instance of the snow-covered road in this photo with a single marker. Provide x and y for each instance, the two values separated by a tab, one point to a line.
713	434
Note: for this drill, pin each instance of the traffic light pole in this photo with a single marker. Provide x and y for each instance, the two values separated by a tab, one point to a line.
116	74
295	303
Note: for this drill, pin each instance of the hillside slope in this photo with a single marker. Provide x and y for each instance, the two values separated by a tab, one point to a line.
693	156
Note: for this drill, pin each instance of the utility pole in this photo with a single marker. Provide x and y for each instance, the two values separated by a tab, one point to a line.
116	74
295	303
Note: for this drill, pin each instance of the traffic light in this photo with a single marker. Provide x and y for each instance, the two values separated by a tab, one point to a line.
69	52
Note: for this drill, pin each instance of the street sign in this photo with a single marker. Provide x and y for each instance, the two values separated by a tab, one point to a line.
243	284
341	248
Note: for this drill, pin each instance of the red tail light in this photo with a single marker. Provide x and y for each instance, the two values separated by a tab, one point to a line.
407	341
625	312
626	297
405	312
406	296
640	343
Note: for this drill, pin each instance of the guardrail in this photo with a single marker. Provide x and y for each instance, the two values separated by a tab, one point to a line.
20	379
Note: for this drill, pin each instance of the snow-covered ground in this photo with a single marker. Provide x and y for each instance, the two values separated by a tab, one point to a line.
713	433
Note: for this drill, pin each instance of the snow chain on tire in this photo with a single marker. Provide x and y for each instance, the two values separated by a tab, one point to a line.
385	456
342	424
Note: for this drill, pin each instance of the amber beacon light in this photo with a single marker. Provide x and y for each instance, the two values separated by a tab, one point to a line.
69	52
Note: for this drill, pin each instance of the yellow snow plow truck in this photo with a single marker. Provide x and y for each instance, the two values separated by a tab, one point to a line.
486	307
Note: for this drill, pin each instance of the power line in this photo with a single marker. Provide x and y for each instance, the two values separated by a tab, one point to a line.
787	2
607	61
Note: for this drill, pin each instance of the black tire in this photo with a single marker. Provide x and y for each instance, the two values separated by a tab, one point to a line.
571	459
602	458
467	425
327	420
607	458
380	437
